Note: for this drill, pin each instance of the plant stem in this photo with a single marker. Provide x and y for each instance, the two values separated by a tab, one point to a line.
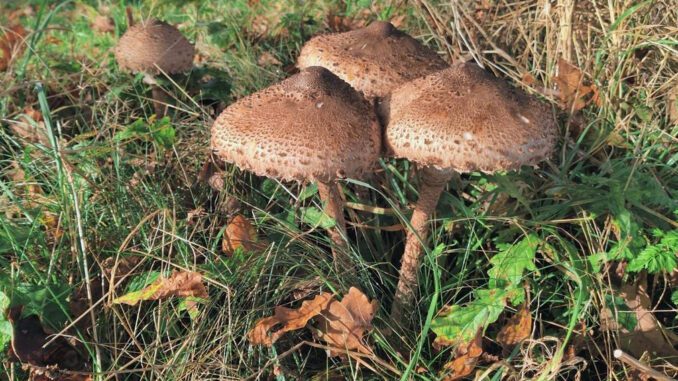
432	184
329	195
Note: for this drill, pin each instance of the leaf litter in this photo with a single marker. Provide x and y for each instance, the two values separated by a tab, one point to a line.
341	324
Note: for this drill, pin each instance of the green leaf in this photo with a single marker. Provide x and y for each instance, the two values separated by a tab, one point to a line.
674	297
308	191
460	324
48	302
5	325
624	315
163	132
512	261
140	281
654	259
317	218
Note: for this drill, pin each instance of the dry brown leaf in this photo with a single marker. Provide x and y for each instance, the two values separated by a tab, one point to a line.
179	284
290	319
31	127
103	24
239	233
338	23
11	44
573	94
29	346
649	335
465	359
268	59
672	106
344	324
517	329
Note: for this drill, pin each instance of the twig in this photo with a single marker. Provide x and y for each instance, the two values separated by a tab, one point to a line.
632	362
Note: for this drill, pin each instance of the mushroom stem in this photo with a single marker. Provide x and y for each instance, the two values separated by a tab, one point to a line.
329	195
432	184
160	100
130	17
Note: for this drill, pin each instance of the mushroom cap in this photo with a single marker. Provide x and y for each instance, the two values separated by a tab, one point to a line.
374	59
154	44
466	119
311	126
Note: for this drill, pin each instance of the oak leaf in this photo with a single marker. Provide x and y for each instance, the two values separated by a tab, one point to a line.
290	319
344	324
11	44
179	284
573	94
517	329
239	233
466	358
103	24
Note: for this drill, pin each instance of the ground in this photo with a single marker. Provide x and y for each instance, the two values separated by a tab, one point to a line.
540	273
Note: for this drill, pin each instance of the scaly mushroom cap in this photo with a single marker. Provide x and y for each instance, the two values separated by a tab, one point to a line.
152	43
374	59
466	119
310	126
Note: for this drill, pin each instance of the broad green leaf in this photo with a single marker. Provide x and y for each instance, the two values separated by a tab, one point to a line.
140	281
317	218
308	191
459	324
5	325
674	297
623	314
512	261
135	297
48	302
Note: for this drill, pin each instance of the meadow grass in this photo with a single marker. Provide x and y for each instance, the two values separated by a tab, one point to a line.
80	194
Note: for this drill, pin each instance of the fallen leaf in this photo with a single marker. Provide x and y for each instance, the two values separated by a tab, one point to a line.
29	345
103	24
30	126
672	106
465	360
179	284
517	329
344	324
268	59
648	335
11	44
573	94
290	319
239	233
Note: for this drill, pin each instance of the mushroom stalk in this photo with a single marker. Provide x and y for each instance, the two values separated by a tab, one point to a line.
433	183
158	96
331	198
160	100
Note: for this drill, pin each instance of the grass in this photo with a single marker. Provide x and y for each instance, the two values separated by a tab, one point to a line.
81	196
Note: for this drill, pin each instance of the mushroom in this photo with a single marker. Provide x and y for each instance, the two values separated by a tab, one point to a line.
153	47
459	119
374	59
310	127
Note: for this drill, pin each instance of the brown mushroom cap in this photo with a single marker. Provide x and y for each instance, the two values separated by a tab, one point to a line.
374	59
310	126
154	44
466	119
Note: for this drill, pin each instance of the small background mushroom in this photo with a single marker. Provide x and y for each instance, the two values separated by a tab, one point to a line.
154	47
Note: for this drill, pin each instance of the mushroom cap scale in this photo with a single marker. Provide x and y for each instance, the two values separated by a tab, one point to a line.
374	59
152	46
311	126
465	119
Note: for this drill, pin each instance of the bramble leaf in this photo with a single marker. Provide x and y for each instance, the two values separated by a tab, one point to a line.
512	261
458	325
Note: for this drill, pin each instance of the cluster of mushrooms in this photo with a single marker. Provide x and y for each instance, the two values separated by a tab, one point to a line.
359	96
